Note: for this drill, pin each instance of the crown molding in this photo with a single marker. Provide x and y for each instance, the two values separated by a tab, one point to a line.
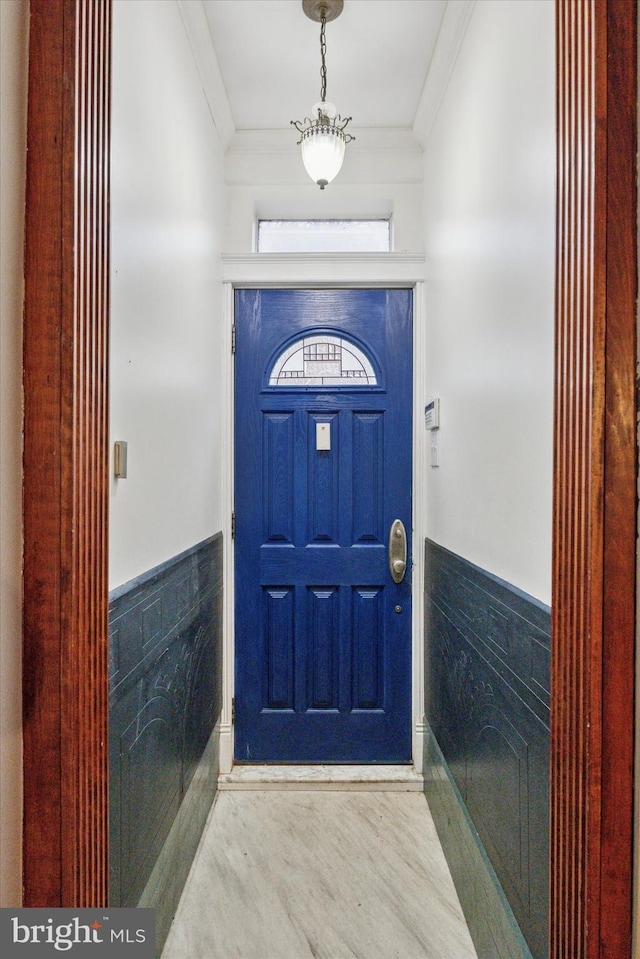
196	27
382	155
452	33
284	140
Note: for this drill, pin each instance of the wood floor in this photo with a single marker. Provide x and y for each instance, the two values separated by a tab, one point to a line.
331	874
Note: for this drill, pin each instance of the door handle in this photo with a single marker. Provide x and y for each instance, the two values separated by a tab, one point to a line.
397	551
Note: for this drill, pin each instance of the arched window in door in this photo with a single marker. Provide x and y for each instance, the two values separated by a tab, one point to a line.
322	360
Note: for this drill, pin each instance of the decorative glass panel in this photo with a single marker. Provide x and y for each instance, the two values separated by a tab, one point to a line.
322	361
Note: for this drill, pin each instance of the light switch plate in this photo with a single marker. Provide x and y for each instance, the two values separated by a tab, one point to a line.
120	459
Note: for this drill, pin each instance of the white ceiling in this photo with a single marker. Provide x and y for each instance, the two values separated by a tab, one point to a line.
378	55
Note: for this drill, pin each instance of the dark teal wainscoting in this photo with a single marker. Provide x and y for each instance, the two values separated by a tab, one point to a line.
487	658
165	631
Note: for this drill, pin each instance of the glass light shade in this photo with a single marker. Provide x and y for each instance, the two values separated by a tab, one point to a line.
324	108
323	148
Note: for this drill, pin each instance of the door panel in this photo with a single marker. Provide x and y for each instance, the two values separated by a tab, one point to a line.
323	467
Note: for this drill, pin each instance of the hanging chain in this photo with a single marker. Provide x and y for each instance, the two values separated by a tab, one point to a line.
323	53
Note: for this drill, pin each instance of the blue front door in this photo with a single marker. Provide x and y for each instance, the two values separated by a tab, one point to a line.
323	401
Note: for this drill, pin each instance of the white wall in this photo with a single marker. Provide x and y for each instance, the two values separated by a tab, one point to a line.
489	221
167	218
14	19
381	177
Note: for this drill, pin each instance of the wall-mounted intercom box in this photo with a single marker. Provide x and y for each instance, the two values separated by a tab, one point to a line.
432	415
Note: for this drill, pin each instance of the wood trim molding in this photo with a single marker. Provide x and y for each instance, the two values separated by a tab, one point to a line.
66	467
593	613
285	270
66	455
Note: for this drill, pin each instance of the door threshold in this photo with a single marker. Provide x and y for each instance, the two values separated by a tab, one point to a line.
366	778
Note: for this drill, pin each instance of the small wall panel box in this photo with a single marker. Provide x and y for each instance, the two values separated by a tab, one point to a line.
432	415
120	459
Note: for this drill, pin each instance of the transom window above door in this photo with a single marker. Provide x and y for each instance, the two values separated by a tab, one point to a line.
324	236
322	360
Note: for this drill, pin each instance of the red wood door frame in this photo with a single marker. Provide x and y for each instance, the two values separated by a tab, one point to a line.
66	469
594	535
65	676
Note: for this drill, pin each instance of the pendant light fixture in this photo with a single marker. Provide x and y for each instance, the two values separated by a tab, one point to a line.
322	139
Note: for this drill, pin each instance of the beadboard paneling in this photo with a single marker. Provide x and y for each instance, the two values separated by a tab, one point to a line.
166	669
487	704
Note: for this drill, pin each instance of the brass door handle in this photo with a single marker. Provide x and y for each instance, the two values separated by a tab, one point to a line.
397	551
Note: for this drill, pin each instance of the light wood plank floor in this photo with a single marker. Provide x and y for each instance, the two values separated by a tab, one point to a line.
331	875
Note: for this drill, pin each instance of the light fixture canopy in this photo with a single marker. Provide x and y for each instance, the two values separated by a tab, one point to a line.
322	136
